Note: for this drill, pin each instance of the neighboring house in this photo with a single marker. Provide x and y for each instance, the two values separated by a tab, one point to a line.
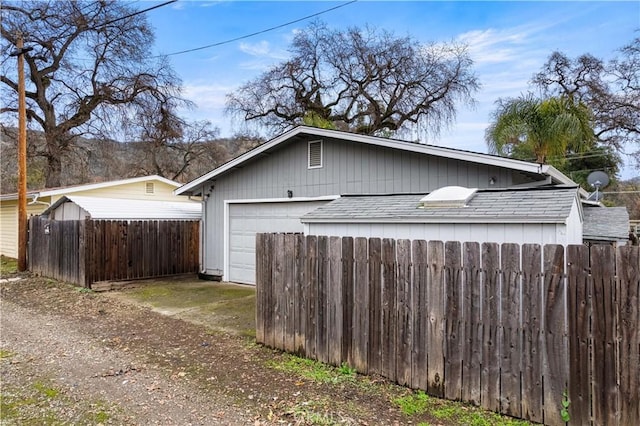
77	207
550	215
606	225
141	188
269	188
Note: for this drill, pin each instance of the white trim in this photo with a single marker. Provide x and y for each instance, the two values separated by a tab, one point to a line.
91	186
439	219
474	157
225	247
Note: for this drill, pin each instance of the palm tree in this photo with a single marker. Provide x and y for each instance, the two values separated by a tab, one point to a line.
526	128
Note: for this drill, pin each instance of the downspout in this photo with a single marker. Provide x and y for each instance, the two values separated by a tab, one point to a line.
203	233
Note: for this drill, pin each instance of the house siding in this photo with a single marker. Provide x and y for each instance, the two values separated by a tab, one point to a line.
348	168
137	190
133	190
519	233
9	224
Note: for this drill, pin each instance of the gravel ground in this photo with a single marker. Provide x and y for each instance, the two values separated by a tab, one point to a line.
82	368
74	357
69	356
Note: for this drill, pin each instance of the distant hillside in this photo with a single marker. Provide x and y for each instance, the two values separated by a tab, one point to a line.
93	160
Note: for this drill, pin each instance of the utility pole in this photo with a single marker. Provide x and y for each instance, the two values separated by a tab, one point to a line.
22	156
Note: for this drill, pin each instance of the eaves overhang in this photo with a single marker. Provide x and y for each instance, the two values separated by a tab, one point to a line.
195	185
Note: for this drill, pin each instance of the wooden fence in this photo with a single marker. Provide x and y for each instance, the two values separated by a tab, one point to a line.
506	327
86	251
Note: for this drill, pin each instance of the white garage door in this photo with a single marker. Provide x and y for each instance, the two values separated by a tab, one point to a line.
245	220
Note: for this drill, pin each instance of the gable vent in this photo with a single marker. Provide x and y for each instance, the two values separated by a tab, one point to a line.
149	188
315	154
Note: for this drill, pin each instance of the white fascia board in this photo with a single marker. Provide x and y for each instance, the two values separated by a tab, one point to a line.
92	186
429	220
563	179
474	157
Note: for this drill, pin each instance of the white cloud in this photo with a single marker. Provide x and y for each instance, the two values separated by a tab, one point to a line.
260	48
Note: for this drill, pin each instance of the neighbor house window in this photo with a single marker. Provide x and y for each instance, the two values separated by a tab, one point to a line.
315	154
149	188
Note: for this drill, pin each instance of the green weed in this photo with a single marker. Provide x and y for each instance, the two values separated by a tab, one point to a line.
314	370
47	391
8	265
416	403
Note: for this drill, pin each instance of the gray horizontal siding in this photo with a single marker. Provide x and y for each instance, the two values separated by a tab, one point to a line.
348	168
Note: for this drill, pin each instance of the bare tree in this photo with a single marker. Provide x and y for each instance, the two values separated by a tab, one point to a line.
361	80
89	66
611	90
170	147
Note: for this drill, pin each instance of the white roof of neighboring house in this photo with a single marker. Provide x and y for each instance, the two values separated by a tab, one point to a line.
456	154
89	187
530	205
120	209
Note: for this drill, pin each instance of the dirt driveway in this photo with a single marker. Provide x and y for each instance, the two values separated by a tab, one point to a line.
177	352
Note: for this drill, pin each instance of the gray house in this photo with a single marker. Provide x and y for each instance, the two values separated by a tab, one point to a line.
269	188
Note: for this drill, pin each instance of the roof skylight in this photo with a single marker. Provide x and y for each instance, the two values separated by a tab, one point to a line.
448	196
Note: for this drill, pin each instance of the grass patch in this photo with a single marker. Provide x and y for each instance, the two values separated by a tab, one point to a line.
418	404
187	295
415	403
313	370
6	354
47	391
8	265
227	308
40	403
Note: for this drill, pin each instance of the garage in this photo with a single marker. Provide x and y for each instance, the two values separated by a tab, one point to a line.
247	219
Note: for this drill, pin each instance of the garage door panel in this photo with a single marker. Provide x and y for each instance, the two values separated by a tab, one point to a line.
245	220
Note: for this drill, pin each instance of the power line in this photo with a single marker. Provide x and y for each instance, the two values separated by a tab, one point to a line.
138	12
259	32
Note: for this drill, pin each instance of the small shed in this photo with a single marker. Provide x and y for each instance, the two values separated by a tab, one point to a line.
606	225
545	215
76	207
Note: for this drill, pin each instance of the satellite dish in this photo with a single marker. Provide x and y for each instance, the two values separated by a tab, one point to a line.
597	180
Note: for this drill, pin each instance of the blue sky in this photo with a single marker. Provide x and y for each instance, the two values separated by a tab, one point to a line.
509	41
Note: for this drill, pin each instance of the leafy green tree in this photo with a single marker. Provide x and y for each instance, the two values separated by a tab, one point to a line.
544	130
610	89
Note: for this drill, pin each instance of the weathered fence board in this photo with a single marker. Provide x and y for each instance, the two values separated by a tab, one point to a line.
604	335
510	352
472	324
578	314
628	271
554	380
374	365
453	309
510	328
404	323
83	252
360	336
420	321
347	298
388	308
490	378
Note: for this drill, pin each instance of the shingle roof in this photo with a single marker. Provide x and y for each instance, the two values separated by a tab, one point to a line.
131	209
606	223
540	205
